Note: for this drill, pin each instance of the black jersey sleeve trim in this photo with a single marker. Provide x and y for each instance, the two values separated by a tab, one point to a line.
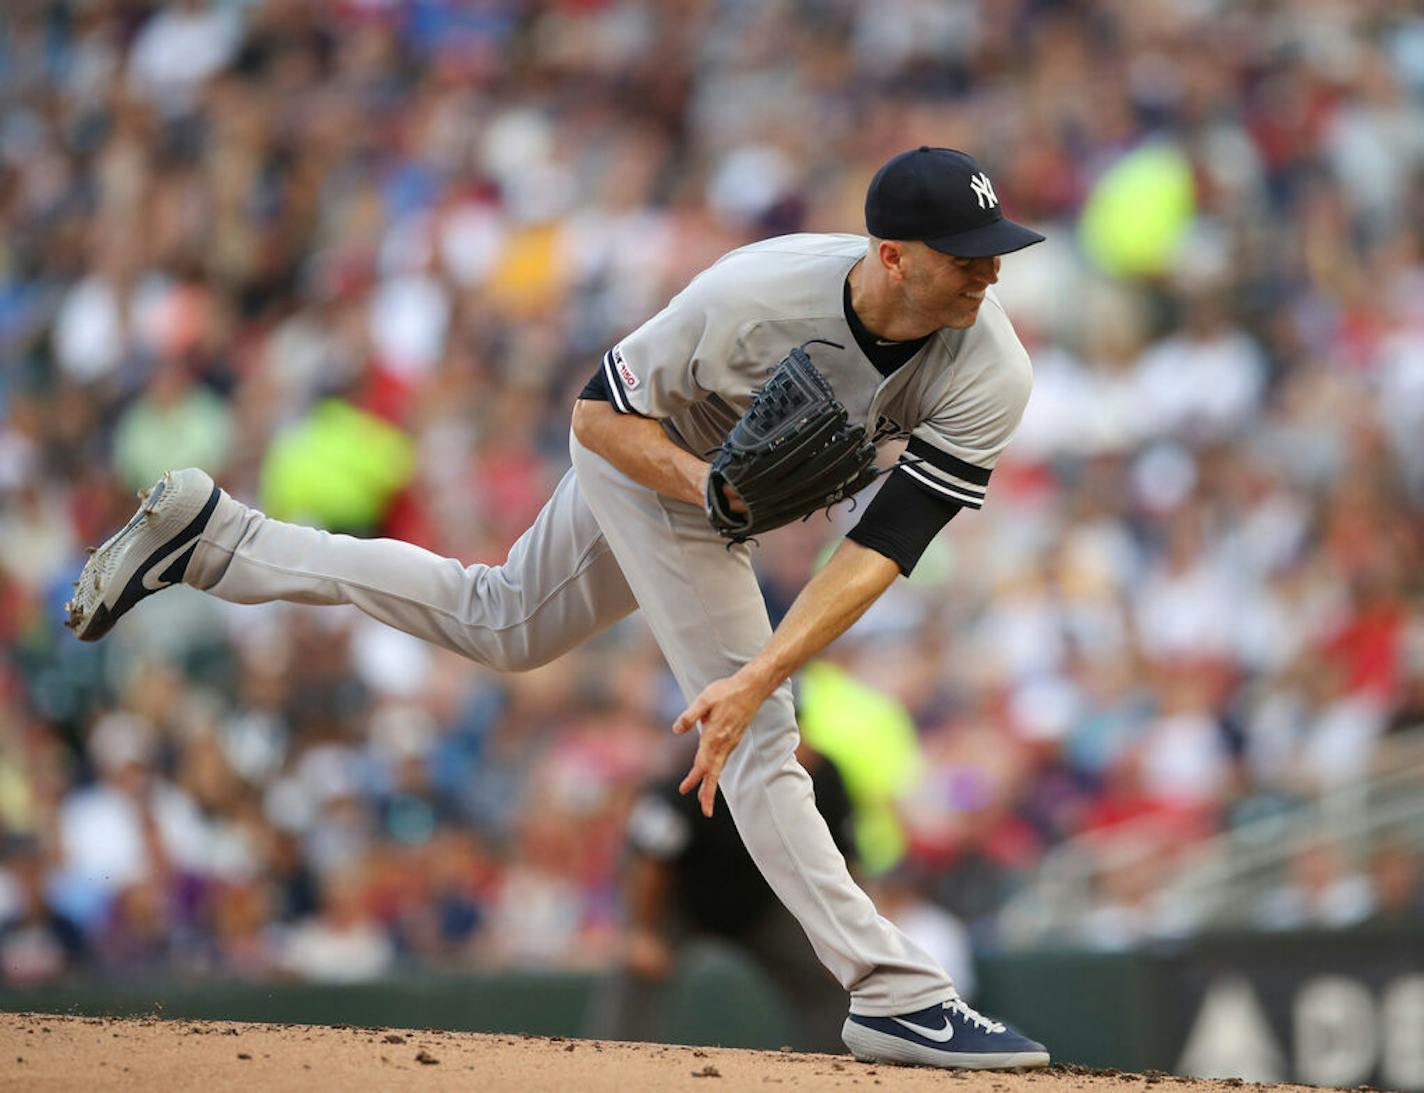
902	518
962	495
940	460
615	386
603	387
596	389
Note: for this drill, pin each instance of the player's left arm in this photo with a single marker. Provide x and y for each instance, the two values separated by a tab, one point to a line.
639	447
834	598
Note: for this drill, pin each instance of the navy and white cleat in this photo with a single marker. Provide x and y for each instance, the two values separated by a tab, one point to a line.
947	1035
147	555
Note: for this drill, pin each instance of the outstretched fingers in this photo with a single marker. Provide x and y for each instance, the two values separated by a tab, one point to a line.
707	795
689	717
687	721
724	709
705	772
693	776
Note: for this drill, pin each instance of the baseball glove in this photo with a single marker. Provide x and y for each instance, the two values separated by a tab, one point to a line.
793	452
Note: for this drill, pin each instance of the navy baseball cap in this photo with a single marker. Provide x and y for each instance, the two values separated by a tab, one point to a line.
942	198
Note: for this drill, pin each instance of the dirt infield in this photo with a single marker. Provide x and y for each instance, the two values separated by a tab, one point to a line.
43	1052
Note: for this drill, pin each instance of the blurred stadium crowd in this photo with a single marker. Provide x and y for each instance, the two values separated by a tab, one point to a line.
357	257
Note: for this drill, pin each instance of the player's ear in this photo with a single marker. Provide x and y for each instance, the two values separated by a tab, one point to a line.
892	257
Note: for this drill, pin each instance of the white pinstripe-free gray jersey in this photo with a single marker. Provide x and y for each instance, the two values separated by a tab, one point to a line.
696	364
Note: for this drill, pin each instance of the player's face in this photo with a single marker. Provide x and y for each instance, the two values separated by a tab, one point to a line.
945	290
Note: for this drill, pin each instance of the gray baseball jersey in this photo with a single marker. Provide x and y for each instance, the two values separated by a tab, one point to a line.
697	363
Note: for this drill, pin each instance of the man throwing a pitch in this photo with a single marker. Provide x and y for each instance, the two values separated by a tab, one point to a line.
905	332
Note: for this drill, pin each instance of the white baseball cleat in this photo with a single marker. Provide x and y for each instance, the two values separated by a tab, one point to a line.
147	555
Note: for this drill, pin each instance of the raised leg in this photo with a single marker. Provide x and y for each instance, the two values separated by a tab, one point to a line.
559	585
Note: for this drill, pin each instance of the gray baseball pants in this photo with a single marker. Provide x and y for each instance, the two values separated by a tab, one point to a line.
603	547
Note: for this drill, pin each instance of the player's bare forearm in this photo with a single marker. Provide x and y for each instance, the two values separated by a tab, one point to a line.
832	600
639	448
851	581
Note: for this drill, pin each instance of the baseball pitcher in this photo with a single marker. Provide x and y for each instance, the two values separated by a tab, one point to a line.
788	362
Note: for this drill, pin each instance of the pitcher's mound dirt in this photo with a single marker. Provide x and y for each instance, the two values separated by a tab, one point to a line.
43	1052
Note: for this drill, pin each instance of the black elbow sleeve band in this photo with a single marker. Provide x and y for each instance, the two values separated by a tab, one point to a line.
901	520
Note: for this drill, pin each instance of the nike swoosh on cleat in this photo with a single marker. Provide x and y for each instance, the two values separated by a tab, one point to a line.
938	1035
139	586
168	570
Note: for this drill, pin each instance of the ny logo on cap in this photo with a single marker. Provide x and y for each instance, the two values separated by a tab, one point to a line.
983	190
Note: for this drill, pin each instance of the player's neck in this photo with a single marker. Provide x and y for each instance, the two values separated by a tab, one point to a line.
876	305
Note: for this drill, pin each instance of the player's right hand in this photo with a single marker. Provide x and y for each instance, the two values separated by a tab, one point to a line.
724	709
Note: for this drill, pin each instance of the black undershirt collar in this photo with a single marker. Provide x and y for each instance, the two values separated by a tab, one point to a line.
886	356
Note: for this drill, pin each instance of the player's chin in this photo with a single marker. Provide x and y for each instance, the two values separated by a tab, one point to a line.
963	316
